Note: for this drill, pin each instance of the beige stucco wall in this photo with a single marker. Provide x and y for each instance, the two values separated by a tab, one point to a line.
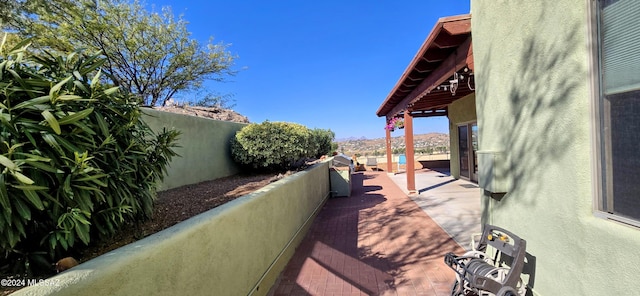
461	111
204	147
533	101
236	249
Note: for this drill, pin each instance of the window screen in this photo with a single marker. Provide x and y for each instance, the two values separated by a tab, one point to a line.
619	29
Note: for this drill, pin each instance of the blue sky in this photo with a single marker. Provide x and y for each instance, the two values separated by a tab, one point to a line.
324	64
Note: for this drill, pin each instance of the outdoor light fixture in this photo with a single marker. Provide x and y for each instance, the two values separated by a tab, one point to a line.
453	84
469	79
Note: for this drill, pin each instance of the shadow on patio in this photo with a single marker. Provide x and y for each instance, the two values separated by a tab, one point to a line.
376	242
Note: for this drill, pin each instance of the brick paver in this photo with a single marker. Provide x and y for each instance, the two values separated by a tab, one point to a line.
376	242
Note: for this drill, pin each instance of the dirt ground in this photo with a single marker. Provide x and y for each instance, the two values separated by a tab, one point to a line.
179	204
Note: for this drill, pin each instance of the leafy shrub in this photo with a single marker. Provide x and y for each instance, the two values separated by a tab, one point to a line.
272	146
322	141
76	160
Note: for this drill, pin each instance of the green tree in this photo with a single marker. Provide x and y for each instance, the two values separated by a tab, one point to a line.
210	99
149	54
322	141
334	148
398	150
9	6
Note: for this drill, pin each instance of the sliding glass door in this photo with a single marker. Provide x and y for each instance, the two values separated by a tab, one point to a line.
468	147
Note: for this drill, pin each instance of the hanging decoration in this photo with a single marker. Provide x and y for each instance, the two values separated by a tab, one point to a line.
395	123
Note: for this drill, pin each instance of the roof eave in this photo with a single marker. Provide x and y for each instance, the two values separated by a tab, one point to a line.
453	25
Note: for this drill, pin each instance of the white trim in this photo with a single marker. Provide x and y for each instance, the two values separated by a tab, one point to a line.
601	193
472	161
617	218
594	95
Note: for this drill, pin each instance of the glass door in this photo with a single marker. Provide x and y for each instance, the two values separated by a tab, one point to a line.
463	144
474	148
468	148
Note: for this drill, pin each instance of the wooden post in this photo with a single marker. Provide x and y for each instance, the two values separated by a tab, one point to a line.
408	144
389	159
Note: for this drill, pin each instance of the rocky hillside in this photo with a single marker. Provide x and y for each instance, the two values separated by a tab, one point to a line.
207	112
426	143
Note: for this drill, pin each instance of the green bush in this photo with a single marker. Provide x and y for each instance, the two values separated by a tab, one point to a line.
76	160
322	141
273	146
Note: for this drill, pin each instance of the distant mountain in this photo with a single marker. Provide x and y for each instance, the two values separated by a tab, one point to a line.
422	142
350	139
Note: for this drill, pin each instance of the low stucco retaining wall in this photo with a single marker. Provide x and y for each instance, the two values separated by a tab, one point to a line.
205	152
239	248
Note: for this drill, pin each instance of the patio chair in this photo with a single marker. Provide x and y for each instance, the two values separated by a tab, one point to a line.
372	162
402	160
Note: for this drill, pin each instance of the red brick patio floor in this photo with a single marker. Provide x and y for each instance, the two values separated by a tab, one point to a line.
376	242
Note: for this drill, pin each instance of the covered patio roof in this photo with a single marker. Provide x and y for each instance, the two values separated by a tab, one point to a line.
420	89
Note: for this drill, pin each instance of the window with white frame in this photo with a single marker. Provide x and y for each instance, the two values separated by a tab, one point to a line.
618	109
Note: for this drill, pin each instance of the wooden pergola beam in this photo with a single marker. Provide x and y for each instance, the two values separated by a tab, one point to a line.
424	67
447	26
456	61
457	28
444	41
435	54
430	113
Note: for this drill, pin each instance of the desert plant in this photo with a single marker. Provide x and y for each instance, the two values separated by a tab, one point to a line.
272	146
76	160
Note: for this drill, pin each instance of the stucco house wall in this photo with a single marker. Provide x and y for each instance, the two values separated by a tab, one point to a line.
533	100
